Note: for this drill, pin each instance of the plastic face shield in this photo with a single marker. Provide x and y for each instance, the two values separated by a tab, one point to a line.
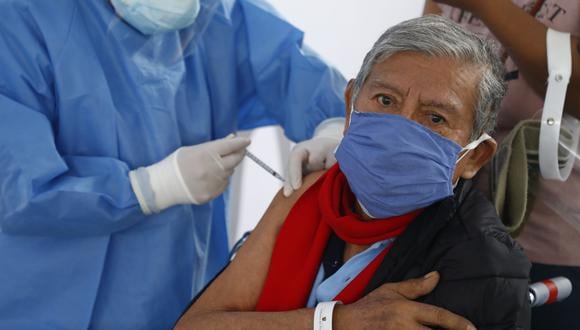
559	133
534	161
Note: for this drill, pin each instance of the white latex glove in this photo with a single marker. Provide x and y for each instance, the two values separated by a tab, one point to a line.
313	155
191	175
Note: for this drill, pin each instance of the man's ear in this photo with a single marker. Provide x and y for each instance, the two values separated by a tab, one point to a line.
478	157
348	103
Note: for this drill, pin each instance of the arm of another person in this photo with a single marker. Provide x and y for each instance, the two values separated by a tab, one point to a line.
292	86
524	38
230	300
288	84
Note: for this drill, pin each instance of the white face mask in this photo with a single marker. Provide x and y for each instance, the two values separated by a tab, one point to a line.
155	16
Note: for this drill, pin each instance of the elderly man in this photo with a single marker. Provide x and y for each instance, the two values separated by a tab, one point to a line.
398	205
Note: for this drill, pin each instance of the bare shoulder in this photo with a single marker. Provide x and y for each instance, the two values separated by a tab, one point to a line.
251	264
281	205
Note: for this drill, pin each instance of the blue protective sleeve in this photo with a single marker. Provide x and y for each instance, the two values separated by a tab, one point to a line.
294	87
43	192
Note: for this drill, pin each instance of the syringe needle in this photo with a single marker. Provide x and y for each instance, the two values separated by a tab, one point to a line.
264	166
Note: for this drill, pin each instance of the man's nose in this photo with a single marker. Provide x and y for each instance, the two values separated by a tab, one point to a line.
410	109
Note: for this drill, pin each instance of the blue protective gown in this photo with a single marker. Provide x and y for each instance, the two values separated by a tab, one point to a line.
84	99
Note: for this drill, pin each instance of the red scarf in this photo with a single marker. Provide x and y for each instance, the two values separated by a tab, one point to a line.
322	209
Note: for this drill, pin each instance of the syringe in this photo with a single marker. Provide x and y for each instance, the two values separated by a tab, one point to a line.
264	166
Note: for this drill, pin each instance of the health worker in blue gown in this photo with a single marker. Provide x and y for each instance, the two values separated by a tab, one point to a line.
116	148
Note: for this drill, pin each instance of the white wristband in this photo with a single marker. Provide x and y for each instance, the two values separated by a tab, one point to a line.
323	315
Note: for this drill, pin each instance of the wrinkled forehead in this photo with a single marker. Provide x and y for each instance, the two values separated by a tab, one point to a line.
448	71
436	79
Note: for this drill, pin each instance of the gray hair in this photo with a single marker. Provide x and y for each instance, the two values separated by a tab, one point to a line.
440	37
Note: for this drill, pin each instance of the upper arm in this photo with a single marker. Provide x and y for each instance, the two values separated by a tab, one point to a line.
484	279
573	106
431	8
26	77
239	286
488	302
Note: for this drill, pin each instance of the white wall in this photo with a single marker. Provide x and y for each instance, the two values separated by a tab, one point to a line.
341	32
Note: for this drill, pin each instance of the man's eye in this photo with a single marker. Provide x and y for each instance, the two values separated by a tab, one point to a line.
385	100
436	119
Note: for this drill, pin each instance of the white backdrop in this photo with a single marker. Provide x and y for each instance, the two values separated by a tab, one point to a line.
342	32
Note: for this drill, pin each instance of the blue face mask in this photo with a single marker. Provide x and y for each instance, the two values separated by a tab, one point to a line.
154	16
394	165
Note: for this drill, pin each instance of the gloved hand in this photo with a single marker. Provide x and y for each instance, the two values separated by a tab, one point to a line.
313	155
191	175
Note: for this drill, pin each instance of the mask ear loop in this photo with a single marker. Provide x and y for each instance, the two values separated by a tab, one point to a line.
350	114
470	146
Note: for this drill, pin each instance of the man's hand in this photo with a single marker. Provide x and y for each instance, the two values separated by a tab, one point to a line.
391	306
